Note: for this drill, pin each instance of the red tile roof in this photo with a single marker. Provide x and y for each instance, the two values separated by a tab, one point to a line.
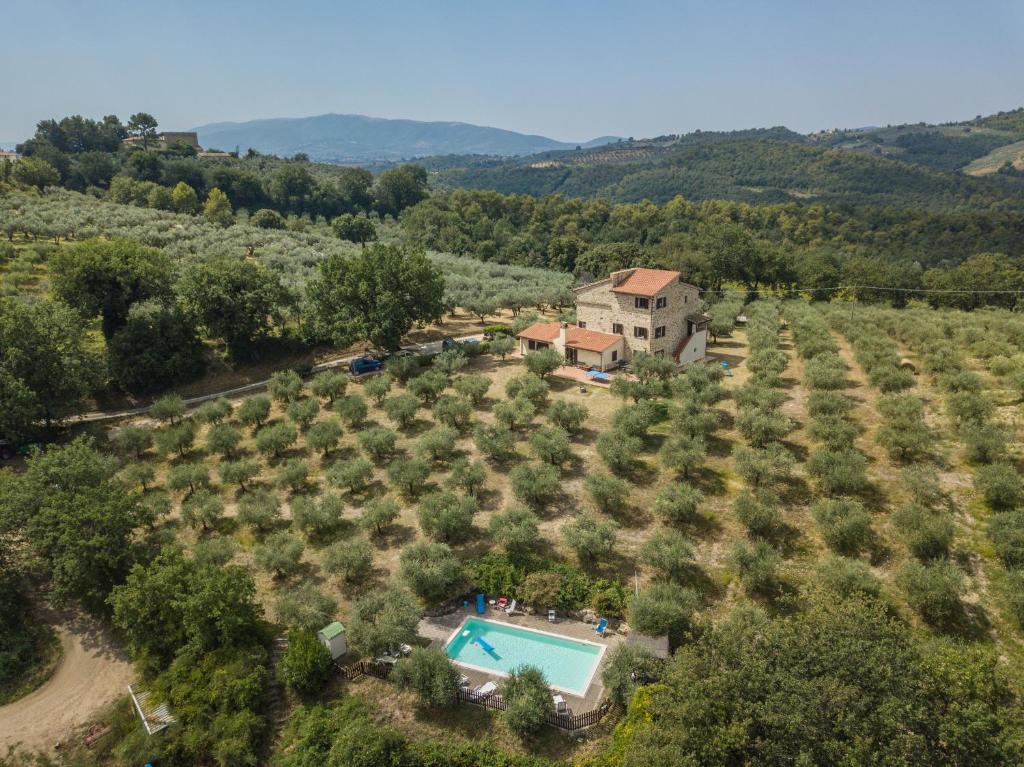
577	338
646	282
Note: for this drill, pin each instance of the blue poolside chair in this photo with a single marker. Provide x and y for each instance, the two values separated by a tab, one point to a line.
602	626
481	608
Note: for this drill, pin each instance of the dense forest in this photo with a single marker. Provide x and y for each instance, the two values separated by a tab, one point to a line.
810	247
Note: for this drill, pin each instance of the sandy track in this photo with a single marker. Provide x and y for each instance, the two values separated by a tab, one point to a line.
91	675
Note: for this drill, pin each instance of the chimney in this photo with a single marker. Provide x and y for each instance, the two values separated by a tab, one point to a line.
563	329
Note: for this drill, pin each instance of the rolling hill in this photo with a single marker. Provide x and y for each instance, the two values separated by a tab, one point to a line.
356	138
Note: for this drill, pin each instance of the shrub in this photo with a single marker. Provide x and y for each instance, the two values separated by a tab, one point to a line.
626	668
431	570
835	432
757	566
844	524
618	450
828	403
527	697
542	589
274	440
404	368
515	529
838	471
760	427
763	467
969	407
543	362
280	554
663	609
285	386
551	445
188	476
258	510
303	411
306	664
215	552
378	387
928	534
324	436
317	519
430	674
932	589
354	474
254	411
468	476
683	453
454	412
438	444
514	414
352	561
634	420
589	536
1015	598
223	439
382	620
133	441
825	371
608	493
178	438
378	442
847	577
444	516
503	346
352	410
213	411
329	385
378	514
569	416
985	443
669	553
677	503
141	474
449	362
202	509
402	409
169	408
891	379
473	387
529	387
1006	530
305	607
409	475
292	474
428	386
1000	485
535	485
758	512
495	442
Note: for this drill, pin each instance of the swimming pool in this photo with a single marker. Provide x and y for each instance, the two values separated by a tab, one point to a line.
568	664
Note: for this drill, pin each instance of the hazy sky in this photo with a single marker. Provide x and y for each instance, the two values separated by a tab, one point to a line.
568	70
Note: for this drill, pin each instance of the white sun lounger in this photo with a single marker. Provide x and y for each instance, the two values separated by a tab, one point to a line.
511	608
485	690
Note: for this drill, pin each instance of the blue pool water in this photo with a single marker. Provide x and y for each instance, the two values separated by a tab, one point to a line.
567	663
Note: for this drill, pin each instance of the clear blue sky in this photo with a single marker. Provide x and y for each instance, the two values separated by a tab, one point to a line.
569	70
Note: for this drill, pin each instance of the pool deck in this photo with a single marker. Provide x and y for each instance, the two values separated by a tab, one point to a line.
441	628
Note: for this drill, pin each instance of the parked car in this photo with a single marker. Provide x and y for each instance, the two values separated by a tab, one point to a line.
361	365
451	343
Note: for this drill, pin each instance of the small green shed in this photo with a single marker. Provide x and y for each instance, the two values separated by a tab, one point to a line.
332	636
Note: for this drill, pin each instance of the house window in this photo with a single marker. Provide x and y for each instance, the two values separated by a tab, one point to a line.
659	353
617	328
641	303
615	356
581	324
534	345
659	332
661	303
686	299
639	332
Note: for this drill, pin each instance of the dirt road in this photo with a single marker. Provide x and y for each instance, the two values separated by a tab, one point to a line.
91	675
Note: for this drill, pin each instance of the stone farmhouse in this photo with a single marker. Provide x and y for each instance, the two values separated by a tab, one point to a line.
650	310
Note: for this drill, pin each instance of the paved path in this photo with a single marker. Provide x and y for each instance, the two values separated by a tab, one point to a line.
433	347
91	675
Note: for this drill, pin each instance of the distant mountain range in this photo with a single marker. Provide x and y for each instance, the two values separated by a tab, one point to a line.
356	138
